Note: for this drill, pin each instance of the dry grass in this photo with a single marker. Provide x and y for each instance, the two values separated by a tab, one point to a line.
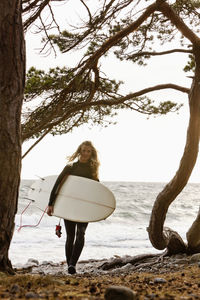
183	285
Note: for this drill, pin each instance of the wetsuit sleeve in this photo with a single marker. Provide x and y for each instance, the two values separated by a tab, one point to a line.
66	171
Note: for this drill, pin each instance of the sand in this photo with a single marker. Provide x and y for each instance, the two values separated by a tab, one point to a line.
176	277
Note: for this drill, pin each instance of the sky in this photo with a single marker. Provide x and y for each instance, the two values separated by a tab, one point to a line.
136	148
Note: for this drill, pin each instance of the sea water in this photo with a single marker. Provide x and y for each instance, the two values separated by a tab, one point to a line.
123	233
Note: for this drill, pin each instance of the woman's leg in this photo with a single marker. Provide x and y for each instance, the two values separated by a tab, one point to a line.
70	231
79	243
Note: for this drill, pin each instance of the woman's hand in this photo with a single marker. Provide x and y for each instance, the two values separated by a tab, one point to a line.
50	210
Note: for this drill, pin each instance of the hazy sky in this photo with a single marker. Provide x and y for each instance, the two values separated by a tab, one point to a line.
136	149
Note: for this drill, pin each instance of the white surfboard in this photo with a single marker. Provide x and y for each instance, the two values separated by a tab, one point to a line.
79	199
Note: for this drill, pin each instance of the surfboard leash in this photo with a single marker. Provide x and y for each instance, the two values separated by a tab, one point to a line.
22	226
58	227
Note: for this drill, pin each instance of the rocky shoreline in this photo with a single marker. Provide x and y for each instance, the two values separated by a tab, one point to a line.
151	263
118	278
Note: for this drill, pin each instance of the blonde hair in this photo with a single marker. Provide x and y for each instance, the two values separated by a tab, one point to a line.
94	161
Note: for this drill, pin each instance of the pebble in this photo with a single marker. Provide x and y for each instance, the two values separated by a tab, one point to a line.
195	258
30	295
14	289
160	280
33	261
153	265
182	261
119	293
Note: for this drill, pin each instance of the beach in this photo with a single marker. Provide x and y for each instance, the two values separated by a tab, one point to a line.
175	277
117	252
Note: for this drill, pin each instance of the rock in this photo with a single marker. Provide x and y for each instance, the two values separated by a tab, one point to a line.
47	262
159	280
14	289
119	293
195	258
183	261
31	295
33	261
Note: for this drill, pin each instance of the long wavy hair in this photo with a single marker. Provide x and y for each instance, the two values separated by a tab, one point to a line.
94	161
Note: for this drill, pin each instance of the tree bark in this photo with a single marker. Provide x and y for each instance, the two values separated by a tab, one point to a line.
12	79
193	235
157	235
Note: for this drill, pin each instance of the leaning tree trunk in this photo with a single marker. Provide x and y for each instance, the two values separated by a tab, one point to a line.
12	75
160	238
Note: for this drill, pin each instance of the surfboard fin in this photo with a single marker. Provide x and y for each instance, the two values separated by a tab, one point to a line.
28	199
41	178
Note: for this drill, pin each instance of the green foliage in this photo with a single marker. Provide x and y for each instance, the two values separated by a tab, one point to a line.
60	108
64	40
147	106
190	64
47	84
64	98
60	112
164	107
39	82
188	9
154	32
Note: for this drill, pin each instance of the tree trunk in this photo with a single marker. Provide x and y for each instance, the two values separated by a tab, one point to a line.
193	235
12	79
157	235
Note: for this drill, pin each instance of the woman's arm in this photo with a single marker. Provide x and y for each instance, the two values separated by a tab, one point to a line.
59	181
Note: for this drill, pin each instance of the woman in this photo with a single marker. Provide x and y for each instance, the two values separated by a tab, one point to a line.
87	166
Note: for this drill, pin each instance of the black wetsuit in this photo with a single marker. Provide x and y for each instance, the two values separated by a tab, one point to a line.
73	249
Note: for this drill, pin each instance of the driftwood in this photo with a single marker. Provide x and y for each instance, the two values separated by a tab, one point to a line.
122	261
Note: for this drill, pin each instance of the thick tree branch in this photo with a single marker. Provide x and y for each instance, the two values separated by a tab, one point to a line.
167	11
148	53
155	88
120	35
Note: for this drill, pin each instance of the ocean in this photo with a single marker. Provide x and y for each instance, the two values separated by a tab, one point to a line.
123	233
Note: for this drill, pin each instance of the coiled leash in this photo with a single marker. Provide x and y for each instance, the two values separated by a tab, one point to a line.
21	226
58	229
